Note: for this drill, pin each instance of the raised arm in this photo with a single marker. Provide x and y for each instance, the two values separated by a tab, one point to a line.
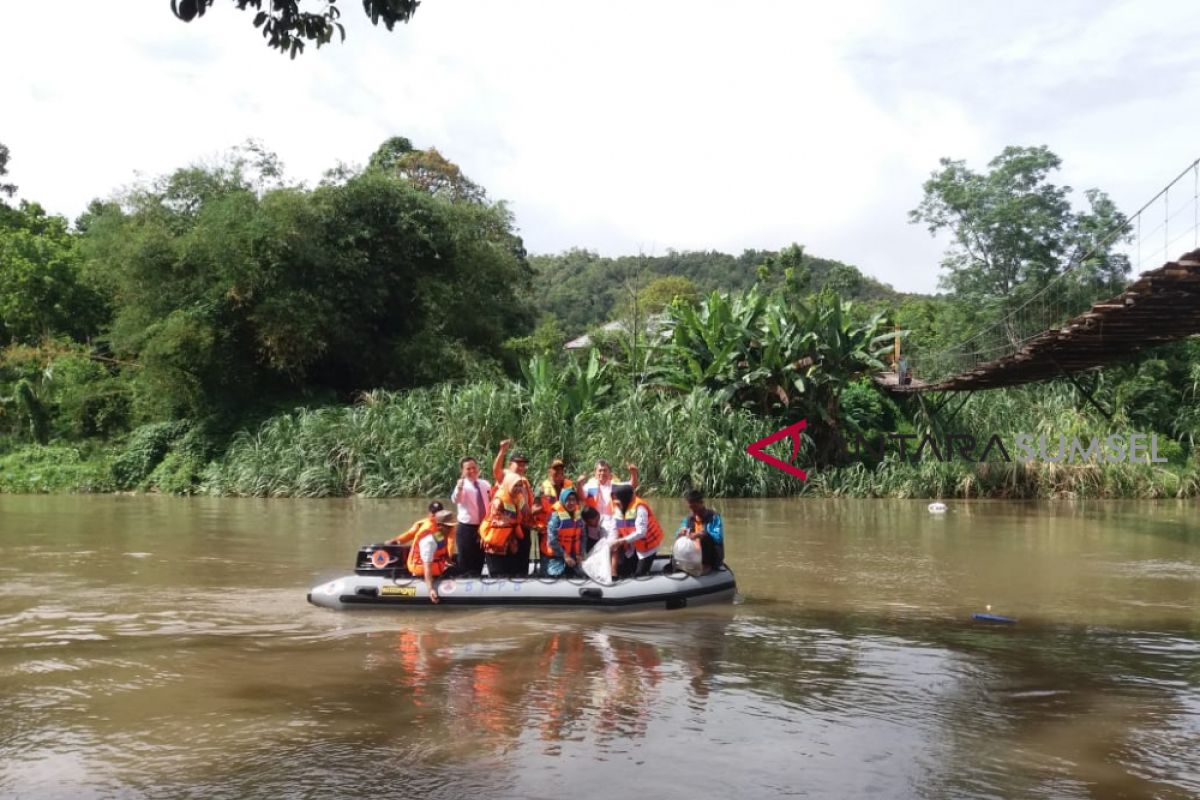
498	464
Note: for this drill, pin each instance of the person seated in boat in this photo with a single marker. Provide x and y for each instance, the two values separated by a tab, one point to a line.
638	534
503	533
597	491
561	549
429	556
704	527
428	522
591	530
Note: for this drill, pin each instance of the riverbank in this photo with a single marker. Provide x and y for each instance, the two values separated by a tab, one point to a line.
342	471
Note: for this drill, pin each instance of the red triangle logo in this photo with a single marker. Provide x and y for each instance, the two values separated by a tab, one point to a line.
758	449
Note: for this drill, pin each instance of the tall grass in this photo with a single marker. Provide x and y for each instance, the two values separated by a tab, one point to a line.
1011	480
410	444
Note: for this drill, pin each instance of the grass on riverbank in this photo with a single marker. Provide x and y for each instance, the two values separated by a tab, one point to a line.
395	445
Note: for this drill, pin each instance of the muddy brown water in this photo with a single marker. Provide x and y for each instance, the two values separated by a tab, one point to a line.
162	647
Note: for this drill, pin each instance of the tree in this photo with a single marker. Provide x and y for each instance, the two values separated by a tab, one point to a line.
286	27
1012	230
5	188
41	293
655	296
228	298
428	170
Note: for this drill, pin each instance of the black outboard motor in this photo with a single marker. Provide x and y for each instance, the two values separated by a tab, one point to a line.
388	560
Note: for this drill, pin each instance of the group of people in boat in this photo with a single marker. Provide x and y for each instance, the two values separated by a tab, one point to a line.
495	524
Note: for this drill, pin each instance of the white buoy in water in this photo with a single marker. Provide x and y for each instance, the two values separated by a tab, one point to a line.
937	508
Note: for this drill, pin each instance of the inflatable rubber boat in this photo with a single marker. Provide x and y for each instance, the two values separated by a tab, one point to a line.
374	586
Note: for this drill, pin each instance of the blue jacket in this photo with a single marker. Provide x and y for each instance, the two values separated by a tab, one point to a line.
713	526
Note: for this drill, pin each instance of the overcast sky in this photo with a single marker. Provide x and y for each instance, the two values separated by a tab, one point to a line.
627	125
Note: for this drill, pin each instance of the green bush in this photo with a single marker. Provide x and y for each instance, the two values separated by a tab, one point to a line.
38	469
144	449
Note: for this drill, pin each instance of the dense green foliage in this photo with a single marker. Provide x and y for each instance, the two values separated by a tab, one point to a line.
222	330
227	297
583	289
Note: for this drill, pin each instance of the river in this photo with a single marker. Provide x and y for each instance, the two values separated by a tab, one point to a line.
162	647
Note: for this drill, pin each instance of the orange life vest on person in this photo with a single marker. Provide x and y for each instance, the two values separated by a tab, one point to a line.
410	536
627	524
547	501
570	532
502	522
592	497
440	556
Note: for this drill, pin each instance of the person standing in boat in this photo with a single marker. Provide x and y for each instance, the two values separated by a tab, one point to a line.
472	495
561	548
550	491
520	465
638	534
503	532
598	491
429	555
706	528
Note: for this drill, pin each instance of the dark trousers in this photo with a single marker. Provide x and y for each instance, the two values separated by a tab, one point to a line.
711	553
632	566
470	554
520	561
506	566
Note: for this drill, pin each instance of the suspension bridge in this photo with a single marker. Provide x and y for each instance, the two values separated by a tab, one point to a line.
1059	332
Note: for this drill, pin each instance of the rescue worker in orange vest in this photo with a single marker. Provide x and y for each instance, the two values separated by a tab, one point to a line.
518	463
503	533
562	545
550	492
429	555
427	523
638	534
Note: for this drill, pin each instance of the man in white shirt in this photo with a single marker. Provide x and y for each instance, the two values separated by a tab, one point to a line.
471	496
597	492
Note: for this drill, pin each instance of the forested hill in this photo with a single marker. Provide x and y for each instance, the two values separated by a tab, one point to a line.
584	289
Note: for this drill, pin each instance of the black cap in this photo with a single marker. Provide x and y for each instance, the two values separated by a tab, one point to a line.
519	457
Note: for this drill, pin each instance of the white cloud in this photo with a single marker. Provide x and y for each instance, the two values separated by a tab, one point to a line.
626	125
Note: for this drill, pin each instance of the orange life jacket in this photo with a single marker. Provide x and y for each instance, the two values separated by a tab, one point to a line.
502	523
591	497
570	531
410	536
627	524
547	500
440	556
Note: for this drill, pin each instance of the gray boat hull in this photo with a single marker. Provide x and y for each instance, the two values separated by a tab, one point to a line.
657	590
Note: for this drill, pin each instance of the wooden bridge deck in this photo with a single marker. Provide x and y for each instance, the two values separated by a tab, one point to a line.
1163	305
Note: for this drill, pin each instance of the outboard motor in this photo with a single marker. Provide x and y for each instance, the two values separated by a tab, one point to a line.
387	560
